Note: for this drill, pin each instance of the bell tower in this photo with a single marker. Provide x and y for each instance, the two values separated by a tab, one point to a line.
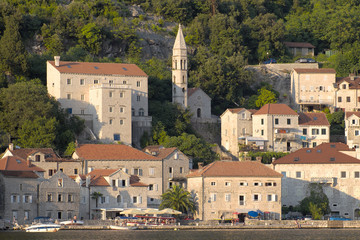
179	70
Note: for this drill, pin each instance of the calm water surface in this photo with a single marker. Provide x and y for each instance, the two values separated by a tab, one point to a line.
190	234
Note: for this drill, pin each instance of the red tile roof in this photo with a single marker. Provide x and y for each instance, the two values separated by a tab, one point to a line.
99	181
111	152
99	68
276	108
135	182
235	169
19	174
299	44
353	84
349	114
315	70
313	119
49	153
323	154
14	163
102	172
334	145
159	150
235	110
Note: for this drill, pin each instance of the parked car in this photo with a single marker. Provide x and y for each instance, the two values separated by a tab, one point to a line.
307	217
270	60
339	218
305	60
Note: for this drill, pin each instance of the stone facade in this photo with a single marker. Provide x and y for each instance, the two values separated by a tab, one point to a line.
300	48
59	197
106	95
347	94
352	129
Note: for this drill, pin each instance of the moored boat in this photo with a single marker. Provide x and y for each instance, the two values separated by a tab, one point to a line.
114	227
43	227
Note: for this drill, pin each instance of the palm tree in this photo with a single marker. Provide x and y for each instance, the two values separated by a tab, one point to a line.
96	195
179	199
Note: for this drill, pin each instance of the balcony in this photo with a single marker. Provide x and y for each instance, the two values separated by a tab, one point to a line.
317	101
110	86
284	134
323	180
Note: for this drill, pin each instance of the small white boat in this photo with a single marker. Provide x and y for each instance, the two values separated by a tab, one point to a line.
114	227
72	222
43	227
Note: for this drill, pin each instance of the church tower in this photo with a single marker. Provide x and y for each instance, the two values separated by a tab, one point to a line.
179	70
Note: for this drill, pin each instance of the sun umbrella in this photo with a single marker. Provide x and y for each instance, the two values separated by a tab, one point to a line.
253	214
133	211
169	211
152	211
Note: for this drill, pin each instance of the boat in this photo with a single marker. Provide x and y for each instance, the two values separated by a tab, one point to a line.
115	227
72	222
43	224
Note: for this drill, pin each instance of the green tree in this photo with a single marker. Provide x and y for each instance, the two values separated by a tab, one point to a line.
96	196
70	149
316	201
265	97
91	38
337	123
179	199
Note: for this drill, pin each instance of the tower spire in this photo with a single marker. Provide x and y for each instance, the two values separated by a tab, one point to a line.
179	70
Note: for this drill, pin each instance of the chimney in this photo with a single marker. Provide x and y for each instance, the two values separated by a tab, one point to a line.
57	60
11	147
87	181
200	165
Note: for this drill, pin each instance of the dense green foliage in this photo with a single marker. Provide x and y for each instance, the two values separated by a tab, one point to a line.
316	203
266	157
179	199
337	123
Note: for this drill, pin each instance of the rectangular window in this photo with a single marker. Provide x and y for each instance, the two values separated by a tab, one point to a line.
103	200
151	187
68	81
276	121
121	94
269	197
111	82
138	84
256	197
242	184
213	183
59	215
151	171
110	94
298	174
110	121
181	169
110	109
304	131
323	131
116	137
262	132
356	174
344	86
284	174
82	81
315	131
213	197
134	199
121	121
49	197
314	144
343	174
59	197
76	171
262	121
138	98
339	99
96	81
241	200
348	99
288	121
68	96
227	184
82	97
70	198
227	197
357	132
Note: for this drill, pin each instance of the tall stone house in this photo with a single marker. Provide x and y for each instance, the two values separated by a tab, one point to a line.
112	98
347	93
330	165
223	188
352	129
160	169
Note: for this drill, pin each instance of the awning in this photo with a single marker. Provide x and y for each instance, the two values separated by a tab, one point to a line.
244	210
256	139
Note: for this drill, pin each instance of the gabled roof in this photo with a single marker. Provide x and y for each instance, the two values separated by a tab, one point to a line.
275	109
323	154
180	40
315	70
235	169
102	172
349	114
24	153
159	151
353	84
299	44
317	119
14	163
334	145
111	152
19	174
95	68
97	178
237	110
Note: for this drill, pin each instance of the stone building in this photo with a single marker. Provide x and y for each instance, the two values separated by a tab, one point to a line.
116	191
300	48
313	89
111	97
236	127
329	165
352	129
224	188
347	93
161	169
59	197
46	159
19	181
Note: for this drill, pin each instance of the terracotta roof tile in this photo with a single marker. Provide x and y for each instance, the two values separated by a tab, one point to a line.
299	44
111	152
135	182
353	84
324	154
160	151
334	145
276	108
99	68
99	181
14	163
313	119
49	153
235	169
19	174
315	70
349	114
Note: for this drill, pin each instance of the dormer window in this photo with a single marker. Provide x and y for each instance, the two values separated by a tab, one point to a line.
344	86
37	158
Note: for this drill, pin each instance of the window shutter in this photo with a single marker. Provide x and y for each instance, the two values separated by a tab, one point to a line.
140	172
126	182
246	184
259	197
156	187
119	183
18	199
140	199
132	171
30	198
131	199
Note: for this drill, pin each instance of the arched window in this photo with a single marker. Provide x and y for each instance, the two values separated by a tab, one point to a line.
118	198
183	89
198	113
184	64
141	112
132	111
181	64
175	64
